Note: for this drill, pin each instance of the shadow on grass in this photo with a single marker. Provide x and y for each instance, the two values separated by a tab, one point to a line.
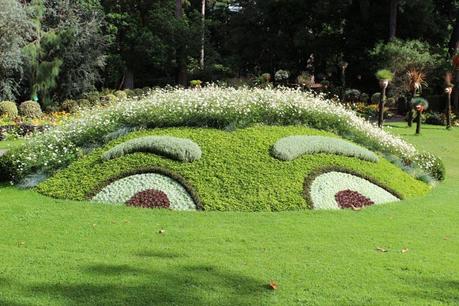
128	285
433	291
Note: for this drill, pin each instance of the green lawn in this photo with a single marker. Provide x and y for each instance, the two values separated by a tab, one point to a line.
66	253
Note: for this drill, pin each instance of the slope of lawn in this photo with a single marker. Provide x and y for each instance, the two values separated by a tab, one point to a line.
65	253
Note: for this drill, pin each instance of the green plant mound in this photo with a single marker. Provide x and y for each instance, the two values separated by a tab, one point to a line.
180	149
235	173
9	109
292	147
30	109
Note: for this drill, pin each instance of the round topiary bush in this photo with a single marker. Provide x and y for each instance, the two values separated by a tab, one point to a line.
70	106
30	109
9	109
120	94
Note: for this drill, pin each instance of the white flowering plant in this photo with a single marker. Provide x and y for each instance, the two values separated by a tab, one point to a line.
211	106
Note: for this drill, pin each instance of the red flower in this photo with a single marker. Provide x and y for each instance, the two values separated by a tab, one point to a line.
352	199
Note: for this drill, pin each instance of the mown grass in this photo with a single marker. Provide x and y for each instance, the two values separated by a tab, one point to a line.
65	253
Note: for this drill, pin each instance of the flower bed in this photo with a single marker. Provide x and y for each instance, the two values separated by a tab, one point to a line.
211	106
330	189
136	189
291	147
180	149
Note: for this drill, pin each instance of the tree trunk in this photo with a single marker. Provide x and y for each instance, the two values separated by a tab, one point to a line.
128	79
393	18
381	108
418	123
448	111
181	77
203	31
456	92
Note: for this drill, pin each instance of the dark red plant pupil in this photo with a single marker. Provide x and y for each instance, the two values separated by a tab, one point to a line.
352	199
150	198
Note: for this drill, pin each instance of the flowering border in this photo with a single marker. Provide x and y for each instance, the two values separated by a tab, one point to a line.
317	172
178	178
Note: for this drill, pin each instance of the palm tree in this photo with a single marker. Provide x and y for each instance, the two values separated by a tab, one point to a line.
448	90
384	76
416	79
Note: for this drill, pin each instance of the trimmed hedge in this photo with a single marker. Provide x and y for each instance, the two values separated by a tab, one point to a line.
235	173
30	109
180	149
9	109
292	147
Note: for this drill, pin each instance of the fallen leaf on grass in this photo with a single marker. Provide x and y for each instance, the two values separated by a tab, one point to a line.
354	208
161	231
405	250
380	249
272	285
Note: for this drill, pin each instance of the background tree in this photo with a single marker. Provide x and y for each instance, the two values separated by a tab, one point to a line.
14	32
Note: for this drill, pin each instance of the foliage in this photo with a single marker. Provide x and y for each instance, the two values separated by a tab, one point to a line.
384	75
352	96
30	109
292	147
322	189
431	164
281	75
123	190
8	109
179	149
420	102
210	107
70	106
195	83
150	198
122	95
236	172
14	32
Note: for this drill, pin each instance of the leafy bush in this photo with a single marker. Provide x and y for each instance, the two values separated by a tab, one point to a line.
431	164
9	109
195	83
180	149
70	106
375	98
281	75
108	99
30	109
352	95
292	147
236	171
122	95
84	103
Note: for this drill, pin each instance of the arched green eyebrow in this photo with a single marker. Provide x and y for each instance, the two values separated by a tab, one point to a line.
292	147
180	149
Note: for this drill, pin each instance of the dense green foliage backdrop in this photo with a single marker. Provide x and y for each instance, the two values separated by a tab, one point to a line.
82	45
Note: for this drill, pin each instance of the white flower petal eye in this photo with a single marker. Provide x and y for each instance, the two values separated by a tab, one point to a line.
336	190
123	190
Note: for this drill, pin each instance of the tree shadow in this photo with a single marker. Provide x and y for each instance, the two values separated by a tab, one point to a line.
106	284
434	290
157	254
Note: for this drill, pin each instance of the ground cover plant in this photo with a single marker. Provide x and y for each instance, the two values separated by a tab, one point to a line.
236	171
60	252
226	108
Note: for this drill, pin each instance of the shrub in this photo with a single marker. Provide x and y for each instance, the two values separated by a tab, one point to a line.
292	147
93	97
195	83
70	106
352	95
30	109
431	164
281	75
9	109
180	149
375	98
364	97
108	99
84	103
122	95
